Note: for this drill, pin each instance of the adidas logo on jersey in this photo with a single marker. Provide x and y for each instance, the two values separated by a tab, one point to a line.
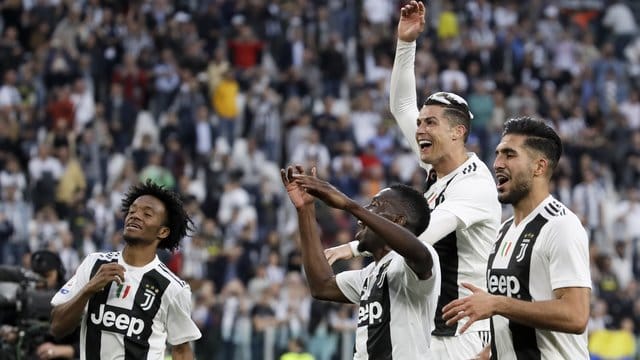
121	323
504	285
369	313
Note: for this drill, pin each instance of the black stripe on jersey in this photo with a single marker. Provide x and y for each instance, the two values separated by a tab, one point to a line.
375	314
93	340
494	350
518	271
145	306
171	275
440	197
447	248
492	255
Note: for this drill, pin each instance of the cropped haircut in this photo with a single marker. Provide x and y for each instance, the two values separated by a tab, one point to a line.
539	137
177	219
457	117
415	207
456	109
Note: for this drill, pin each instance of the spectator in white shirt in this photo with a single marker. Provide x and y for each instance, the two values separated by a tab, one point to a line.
9	96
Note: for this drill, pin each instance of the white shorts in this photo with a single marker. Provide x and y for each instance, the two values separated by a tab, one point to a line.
463	347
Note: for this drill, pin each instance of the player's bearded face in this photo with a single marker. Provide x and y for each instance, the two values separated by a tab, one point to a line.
517	188
514	170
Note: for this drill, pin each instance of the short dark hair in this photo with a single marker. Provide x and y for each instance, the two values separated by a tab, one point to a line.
539	137
456	109
178	221
415	207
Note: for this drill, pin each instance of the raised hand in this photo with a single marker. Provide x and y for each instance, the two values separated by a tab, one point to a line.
412	20
322	190
297	194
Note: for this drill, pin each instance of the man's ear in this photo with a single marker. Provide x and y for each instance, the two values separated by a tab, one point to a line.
541	167
458	132
164	232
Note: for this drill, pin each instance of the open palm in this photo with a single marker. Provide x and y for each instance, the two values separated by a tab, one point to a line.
412	21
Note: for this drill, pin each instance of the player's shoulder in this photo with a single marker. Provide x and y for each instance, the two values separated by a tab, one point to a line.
175	283
475	170
558	213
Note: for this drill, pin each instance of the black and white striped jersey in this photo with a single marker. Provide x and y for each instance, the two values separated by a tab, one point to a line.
470	194
133	320
396	309
547	250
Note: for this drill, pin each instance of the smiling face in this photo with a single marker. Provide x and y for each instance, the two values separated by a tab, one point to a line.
514	168
381	203
435	134
145	222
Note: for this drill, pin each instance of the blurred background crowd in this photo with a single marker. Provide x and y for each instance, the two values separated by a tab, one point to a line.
212	97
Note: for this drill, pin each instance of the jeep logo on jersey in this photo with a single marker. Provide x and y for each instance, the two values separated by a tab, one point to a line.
369	314
120	322
504	285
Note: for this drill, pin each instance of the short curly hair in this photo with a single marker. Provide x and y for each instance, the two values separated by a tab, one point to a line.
178	221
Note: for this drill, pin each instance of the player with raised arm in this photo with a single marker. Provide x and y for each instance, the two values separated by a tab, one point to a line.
538	273
460	189
129	304
397	293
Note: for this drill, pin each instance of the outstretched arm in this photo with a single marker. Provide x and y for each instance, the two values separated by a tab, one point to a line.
402	99
398	238
322	281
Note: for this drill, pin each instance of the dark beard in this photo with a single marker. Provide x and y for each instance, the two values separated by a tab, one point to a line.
519	192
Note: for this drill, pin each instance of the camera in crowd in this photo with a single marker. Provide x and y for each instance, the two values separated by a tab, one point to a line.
25	296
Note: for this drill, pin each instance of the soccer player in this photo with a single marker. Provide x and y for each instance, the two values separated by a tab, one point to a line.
460	190
128	303
538	272
397	293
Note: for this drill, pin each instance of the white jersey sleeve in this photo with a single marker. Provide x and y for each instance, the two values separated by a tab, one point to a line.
567	243
409	279
180	327
468	202
402	93
441	224
77	281
350	283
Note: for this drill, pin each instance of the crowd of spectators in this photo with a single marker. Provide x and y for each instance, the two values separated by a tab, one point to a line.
212	97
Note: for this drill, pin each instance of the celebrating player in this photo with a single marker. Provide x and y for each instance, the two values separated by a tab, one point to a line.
397	293
460	190
538	272
128	303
